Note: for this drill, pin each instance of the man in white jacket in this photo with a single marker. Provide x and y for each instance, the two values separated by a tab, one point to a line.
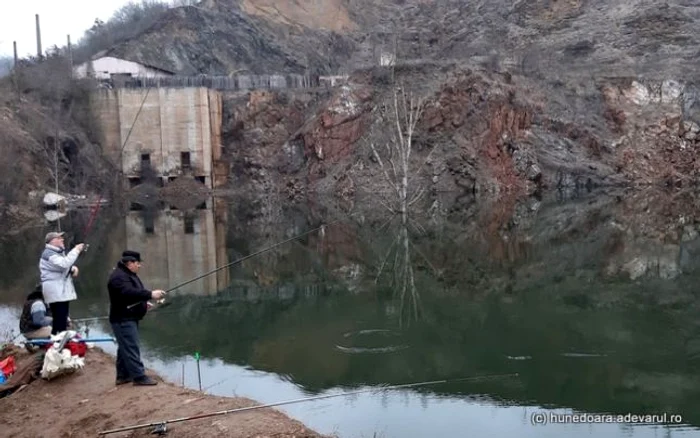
56	269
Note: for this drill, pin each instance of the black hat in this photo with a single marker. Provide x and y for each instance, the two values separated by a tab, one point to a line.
131	256
37	293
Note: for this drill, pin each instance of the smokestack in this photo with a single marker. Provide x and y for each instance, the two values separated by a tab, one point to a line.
15	70
70	52
38	37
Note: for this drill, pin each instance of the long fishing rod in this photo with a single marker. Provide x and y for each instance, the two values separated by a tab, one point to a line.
86	230
242	259
300	400
215	270
96	208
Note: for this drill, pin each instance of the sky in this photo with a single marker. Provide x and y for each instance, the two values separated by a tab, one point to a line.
56	18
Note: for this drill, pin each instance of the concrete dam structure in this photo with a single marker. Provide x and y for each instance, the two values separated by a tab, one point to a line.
171	131
170	126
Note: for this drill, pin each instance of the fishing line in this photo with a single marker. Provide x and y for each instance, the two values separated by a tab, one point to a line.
215	270
95	211
242	259
300	400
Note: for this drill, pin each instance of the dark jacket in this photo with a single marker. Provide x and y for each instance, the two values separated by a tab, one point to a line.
30	321
125	289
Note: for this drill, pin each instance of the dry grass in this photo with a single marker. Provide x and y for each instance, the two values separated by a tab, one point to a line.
7	333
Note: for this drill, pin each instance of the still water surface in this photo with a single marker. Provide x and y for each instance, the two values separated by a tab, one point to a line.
593	302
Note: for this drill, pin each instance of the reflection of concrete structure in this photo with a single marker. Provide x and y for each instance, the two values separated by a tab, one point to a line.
177	247
332	81
171	131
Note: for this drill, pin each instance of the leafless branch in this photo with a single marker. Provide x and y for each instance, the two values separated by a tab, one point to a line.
386	257
420	253
417	196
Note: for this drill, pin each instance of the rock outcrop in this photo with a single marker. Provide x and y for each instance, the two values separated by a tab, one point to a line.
521	97
480	133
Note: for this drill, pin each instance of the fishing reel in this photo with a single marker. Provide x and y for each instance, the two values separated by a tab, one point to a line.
160	429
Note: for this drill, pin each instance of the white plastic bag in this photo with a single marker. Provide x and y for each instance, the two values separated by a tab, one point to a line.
60	362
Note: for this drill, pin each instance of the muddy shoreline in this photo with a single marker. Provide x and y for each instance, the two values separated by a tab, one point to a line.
88	402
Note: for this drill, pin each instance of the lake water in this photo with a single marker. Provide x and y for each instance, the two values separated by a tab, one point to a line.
592	301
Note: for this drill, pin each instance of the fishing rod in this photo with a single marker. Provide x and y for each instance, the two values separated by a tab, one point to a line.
215	270
162	424
242	259
45	341
94	211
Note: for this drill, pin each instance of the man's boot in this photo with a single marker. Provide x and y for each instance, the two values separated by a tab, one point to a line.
145	381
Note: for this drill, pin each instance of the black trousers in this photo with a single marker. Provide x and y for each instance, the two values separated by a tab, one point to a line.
129	365
59	312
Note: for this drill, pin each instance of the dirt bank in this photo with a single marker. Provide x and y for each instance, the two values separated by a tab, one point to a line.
87	402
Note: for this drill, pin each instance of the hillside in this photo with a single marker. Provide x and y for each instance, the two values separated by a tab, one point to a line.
579	38
220	38
521	96
48	134
315	14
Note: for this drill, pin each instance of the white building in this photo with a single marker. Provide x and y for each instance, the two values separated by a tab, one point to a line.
387	59
106	67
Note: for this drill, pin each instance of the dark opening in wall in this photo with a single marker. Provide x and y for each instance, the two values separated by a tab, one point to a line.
185	161
134	181
202	179
189	224
148	224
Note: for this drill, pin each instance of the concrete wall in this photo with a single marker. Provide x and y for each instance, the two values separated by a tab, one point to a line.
142	133
163	123
173	255
106	106
105	67
220	169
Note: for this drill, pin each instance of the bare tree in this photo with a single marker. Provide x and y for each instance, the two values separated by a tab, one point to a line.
11	181
402	114
55	109
126	23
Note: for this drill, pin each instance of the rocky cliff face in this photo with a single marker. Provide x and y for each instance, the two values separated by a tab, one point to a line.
521	96
313	14
549	40
484	133
221	38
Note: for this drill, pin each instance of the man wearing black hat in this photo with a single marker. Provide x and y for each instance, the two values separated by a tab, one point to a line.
128	300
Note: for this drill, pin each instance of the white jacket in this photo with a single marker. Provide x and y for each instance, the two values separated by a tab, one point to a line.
56	282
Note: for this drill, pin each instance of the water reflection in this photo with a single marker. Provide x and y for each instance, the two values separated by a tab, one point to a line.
178	246
592	301
402	279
